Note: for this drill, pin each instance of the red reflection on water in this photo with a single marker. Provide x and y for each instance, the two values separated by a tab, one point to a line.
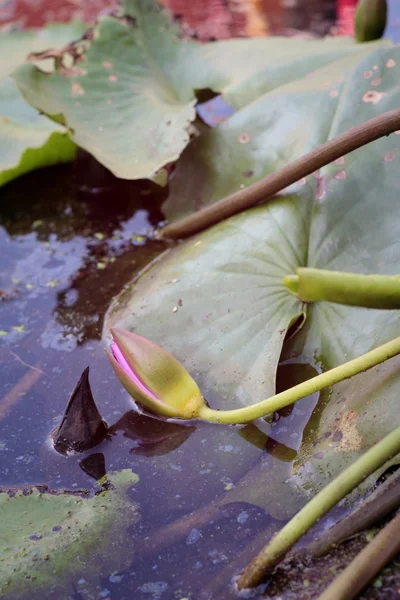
207	18
35	13
345	16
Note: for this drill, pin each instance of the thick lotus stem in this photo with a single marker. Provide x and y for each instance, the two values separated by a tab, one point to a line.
366	565
354	138
369	291
380	503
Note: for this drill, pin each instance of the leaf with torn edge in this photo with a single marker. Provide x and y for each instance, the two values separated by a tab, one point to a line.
28	139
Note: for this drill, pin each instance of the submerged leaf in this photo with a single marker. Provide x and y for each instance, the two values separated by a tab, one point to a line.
151	437
47	537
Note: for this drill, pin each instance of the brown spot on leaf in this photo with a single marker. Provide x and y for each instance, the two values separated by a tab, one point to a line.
376	81
334	93
351	438
373	96
319	455
390	63
77	89
368	74
340	160
337	436
112	77
72	71
389	157
341	175
321	190
244	138
351	415
248	173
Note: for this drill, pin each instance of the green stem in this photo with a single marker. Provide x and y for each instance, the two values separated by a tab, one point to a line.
380	503
326	499
346	142
366	565
369	291
274	403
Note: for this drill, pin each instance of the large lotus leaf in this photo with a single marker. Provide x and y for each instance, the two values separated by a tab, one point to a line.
131	100
234	313
29	140
354	228
218	302
281	126
47	537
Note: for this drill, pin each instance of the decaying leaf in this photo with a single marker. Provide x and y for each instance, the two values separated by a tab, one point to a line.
50	540
28	139
82	426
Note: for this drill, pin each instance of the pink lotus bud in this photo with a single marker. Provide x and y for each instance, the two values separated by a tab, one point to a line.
153	377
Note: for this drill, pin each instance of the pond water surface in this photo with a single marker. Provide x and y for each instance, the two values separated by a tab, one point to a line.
70	238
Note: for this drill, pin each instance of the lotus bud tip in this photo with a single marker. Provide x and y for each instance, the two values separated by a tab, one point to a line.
153	377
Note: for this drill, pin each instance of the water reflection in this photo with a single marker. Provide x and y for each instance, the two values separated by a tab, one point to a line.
94	465
66	240
56	229
152	437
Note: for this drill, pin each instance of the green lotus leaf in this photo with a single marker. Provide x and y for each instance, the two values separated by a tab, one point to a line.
131	100
281	126
223	292
48	537
28	139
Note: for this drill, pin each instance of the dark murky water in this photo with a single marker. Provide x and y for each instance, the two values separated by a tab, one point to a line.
70	238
